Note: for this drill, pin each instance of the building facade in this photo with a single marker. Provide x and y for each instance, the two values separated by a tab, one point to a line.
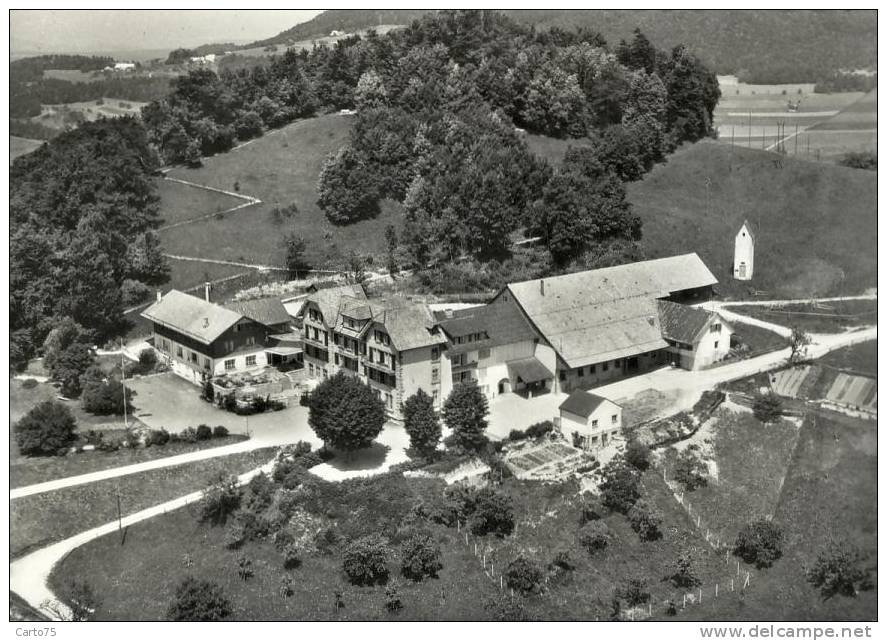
744	253
589	420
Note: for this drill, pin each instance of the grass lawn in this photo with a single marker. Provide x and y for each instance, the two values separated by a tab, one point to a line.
812	220
41	519
281	168
21	146
830	492
758	339
180	202
553	149
752	461
862	358
830	317
862	114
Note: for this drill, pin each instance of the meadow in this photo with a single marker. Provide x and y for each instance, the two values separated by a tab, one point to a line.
281	168
21	146
815	224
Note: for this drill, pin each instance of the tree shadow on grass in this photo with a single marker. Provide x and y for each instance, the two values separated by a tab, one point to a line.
369	458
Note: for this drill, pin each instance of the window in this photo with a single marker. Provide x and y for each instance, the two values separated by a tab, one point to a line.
207	364
179	351
614	418
435	397
336	358
229	346
435	353
165	344
311	370
581	371
251	360
325	373
606	366
617	363
229	364
594	422
561	375
435	375
715	328
251	340
591	369
716	344
193	357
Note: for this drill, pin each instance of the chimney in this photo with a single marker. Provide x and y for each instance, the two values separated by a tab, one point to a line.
206	287
205	321
542	286
159	295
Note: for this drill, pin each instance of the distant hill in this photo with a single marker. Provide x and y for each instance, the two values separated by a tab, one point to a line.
761	46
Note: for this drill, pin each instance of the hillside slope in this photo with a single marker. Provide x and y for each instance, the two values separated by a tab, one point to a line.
764	46
815	224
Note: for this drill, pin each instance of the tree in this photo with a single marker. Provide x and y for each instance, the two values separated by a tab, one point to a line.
619	485
392	598
637	455
798	342
105	397
420	557
348	190
646	520
759	542
633	591
366	560
355	269
838	570
47	429
421	423
594	536
524	575
391	249
492	512
690	470
69	367
64	333
82	600
345	413
465	412
199	601
370	92
767	408
294	255
220	499
682	572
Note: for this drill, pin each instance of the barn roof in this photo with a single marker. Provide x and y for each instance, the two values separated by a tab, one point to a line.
192	316
610	313
582	403
502	323
267	311
682	323
410	325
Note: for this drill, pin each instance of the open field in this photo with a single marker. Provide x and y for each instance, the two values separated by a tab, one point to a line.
21	146
752	460
73	75
41	519
73	113
828	317
829	493
813	221
281	168
862	114
862	358
180	202
758	339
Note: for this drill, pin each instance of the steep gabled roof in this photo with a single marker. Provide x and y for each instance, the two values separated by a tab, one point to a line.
582	403
192	316
267	311
329	299
502	322
682	323
609	313
410	325
748	227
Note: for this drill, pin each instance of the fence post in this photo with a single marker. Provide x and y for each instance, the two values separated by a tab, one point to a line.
731	585
458	526
716	590
500	582
466	538
737	568
698	520
475	548
747	580
700	595
685	601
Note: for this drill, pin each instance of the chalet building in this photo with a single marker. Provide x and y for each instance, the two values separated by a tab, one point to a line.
498	348
604	324
744	253
393	345
591	421
696	337
200	339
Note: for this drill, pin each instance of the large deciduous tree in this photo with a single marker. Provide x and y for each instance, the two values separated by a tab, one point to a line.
345	413
421	423
465	412
48	429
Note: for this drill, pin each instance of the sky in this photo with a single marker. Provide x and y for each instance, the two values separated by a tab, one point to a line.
129	30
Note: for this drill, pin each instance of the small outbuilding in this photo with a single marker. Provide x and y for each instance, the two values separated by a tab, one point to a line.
591	421
744	253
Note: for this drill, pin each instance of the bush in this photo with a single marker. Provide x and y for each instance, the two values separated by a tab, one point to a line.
637	455
646	520
204	433
619	487
30	383
147	359
220	431
759	542
767	408
392	599
690	470
493	513
104	398
563	560
516	435
188	435
220	500
594	536
199	601
244	568
157	437
524	575
208	392
590	509
292	556
633	591
837	570
682	572
420	557
366	560
537	430
235	536
46	430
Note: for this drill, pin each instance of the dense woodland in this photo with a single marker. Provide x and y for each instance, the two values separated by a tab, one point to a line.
83	210
761	46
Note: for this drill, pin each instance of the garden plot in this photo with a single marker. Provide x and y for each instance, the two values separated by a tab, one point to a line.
854	391
646	405
788	382
548	460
